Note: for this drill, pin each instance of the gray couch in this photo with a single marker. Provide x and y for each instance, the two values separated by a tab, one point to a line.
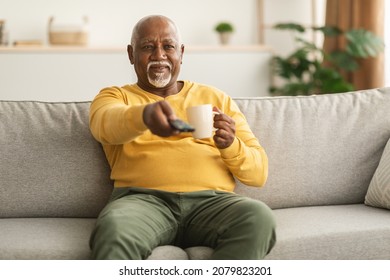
323	151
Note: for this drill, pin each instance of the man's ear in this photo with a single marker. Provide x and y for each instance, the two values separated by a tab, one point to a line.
182	52
130	53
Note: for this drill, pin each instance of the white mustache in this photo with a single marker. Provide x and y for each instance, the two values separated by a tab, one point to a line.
159	63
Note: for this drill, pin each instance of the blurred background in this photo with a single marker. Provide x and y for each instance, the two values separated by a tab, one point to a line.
35	66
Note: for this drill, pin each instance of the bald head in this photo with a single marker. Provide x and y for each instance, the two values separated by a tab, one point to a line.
153	20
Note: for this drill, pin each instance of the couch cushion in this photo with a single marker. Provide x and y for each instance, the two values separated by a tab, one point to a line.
67	239
332	232
168	252
317	233
45	238
199	253
322	149
378	194
50	164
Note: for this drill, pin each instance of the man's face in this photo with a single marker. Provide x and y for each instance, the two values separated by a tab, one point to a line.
156	54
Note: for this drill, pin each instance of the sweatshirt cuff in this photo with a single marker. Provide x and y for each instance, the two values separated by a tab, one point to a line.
232	151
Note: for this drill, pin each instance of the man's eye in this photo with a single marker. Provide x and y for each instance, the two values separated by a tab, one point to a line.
147	47
169	46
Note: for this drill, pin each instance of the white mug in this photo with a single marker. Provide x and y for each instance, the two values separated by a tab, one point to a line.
201	117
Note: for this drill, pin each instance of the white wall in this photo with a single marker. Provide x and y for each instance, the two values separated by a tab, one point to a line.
299	11
78	75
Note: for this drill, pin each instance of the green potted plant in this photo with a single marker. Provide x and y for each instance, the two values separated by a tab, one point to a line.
224	30
310	70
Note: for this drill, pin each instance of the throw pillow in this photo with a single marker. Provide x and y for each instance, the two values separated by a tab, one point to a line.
378	194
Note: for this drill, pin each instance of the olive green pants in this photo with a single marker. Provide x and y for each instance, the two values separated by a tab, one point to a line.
137	220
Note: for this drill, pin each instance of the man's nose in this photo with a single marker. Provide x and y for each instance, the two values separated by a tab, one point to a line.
159	53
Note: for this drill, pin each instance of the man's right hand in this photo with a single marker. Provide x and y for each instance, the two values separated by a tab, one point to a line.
156	117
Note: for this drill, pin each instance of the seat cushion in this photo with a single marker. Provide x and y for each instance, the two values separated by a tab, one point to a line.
344	232
332	232
45	238
169	252
323	232
67	239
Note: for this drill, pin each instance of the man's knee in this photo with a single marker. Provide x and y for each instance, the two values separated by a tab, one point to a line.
107	238
249	233
258	218
256	213
264	225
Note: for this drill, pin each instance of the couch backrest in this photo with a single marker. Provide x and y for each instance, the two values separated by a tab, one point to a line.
322	149
50	164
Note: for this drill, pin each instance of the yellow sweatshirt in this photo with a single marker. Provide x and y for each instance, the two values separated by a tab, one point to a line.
178	163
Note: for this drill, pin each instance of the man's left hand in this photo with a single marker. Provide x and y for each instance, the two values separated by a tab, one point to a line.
226	129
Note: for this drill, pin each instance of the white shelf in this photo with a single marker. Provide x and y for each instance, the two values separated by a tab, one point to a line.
114	49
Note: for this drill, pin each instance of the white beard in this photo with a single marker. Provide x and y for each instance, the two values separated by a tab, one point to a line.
159	81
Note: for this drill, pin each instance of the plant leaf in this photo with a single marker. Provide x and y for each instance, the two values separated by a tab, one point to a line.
343	60
363	43
307	45
328	80
290	26
329	30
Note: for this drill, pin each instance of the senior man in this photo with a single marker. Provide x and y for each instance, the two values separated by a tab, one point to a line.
172	189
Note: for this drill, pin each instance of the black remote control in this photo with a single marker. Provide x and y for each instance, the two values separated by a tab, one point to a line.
181	125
